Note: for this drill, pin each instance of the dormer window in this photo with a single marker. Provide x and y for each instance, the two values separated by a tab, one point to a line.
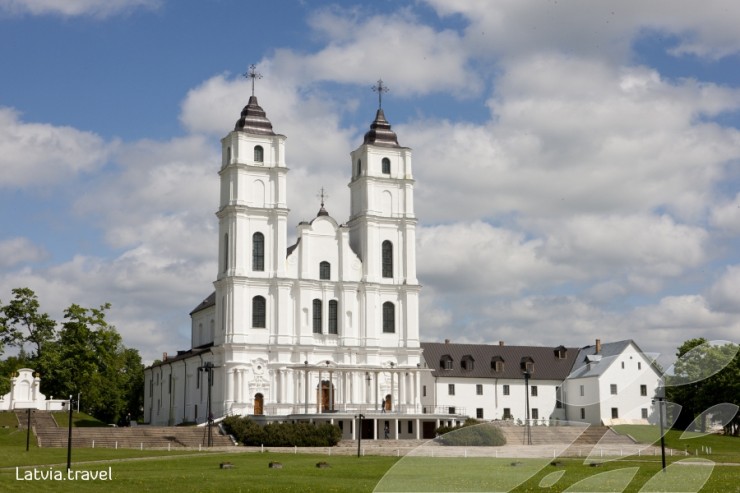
497	364
561	352
386	166
259	154
445	362
466	363
325	271
527	365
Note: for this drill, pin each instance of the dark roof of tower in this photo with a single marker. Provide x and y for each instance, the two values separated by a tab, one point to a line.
380	132
322	212
254	119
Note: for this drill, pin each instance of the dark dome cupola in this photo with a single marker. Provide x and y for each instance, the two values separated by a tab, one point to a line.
254	119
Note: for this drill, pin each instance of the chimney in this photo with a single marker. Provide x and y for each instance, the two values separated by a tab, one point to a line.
501	343
164	356
447	341
598	346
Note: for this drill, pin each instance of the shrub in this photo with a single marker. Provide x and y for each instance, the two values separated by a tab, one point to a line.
301	434
484	434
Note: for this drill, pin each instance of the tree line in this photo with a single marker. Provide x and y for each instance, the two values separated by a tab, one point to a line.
80	355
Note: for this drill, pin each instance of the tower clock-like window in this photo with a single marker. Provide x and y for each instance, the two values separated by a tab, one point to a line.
387	258
258	252
325	270
386	166
389	317
259	154
259	312
333	317
317	316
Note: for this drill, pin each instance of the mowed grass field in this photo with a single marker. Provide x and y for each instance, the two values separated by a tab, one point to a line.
187	471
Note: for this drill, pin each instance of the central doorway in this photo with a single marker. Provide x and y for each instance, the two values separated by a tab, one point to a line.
325	395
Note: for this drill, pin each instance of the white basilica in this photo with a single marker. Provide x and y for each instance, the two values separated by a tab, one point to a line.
322	329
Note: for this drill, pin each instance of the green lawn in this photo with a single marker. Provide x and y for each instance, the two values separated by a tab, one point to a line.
184	472
723	448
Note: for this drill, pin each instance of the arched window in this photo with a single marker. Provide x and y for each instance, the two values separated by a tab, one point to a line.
359	167
259	154
386	166
325	270
387	258
333	317
389	317
226	252
317	321
258	252
259	312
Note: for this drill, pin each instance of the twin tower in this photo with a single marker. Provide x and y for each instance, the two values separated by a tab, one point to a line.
330	322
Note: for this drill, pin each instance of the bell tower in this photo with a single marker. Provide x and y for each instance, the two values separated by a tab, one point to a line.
383	233
252	217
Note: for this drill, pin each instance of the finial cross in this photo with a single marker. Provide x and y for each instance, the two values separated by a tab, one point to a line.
380	88
323	196
252	74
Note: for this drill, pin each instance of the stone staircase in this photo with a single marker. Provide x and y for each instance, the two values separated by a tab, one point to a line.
144	437
39	419
49	434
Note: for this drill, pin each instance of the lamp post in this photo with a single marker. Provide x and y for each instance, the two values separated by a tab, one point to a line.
28	430
359	433
208	368
527	367
69	437
660	398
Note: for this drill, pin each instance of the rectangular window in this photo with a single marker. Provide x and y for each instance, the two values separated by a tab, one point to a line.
410	427
451	389
582	391
639	365
424	391
613	389
535	413
333	316
615	413
623	365
643	390
479	413
196	413
317	322
451	410
507	413
533	390
583	413
506	390
644	413
479	389
558	398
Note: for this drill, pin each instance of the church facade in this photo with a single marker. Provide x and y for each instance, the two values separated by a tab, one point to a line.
323	329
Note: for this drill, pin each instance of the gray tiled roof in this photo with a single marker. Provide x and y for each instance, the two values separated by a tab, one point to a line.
210	301
547	365
599	362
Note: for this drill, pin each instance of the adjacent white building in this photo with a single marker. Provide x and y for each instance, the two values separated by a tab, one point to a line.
325	328
611	383
605	384
25	393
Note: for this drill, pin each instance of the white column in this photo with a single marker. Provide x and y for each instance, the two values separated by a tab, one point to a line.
377	399
417	425
401	389
394	403
319	394
229	386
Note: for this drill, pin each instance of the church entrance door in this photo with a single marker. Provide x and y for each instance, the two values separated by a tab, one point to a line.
326	396
388	403
259	402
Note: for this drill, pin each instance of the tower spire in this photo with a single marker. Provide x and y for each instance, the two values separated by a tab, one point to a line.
323	196
380	88
252	74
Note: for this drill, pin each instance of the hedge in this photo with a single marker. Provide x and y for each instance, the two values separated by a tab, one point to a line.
247	432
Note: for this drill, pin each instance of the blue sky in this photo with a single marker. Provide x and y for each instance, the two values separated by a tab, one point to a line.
576	161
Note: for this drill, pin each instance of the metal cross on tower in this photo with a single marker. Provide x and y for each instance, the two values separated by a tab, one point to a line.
323	196
380	88
252	74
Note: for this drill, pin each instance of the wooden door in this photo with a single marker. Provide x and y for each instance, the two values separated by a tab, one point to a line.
259	402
